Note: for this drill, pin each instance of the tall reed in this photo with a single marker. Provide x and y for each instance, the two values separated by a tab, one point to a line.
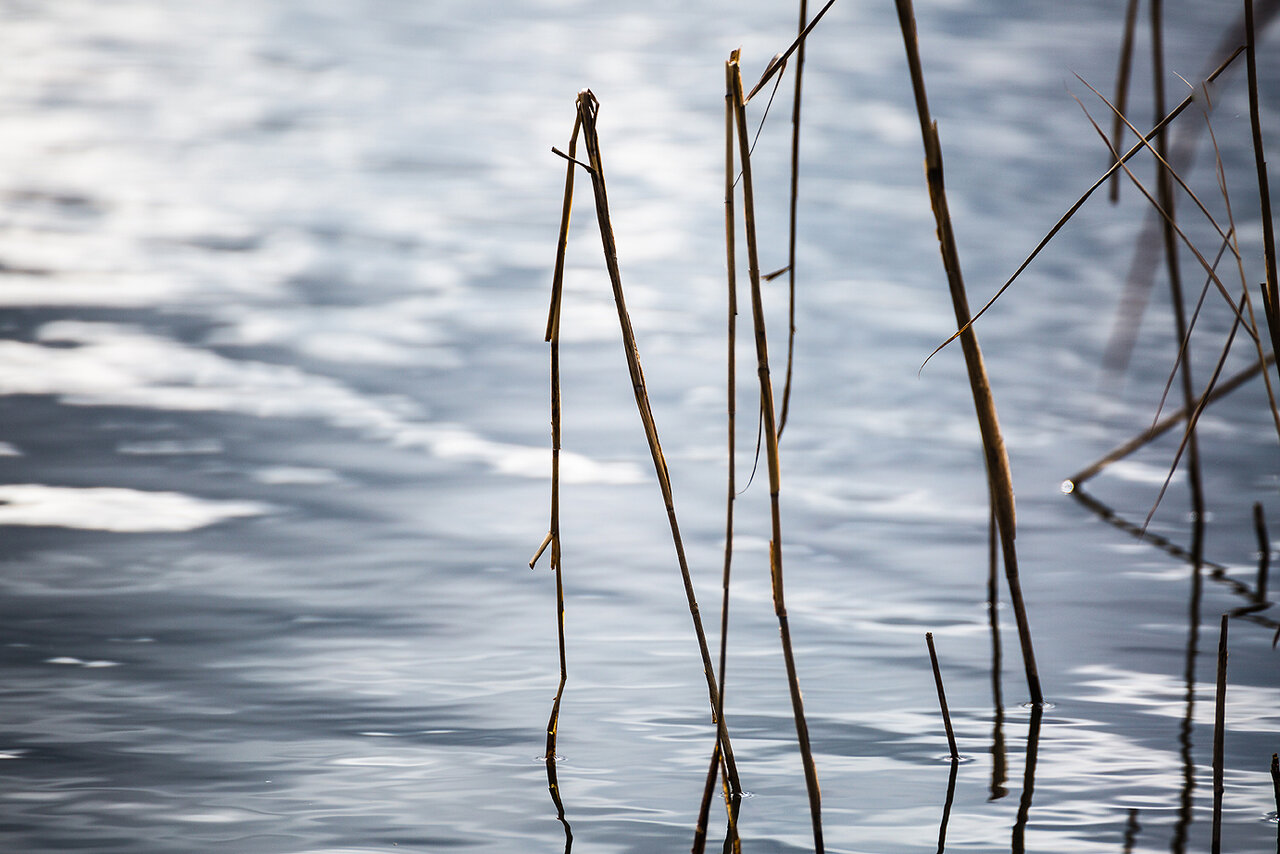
588	108
997	460
770	440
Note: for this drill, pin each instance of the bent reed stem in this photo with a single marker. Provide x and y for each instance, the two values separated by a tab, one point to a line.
588	107
997	460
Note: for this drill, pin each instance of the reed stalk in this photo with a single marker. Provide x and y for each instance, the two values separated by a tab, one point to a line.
770	438
731	264
1219	737
553	535
1270	294
997	460
942	697
1122	88
588	108
791	229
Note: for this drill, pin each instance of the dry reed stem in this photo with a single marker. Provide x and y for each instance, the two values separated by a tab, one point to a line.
588	108
730	242
1270	298
791	229
1079	203
1169	422
942	697
553	535
1219	737
771	449
1122	87
997	460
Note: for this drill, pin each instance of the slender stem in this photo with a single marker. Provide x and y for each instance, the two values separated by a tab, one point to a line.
997	460
1160	428
791	231
942	697
732	488
775	478
1270	294
553	536
1122	88
588	107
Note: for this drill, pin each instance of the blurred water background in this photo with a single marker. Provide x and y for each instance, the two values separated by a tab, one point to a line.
273	405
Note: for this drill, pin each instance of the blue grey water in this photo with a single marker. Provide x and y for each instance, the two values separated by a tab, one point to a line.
273	405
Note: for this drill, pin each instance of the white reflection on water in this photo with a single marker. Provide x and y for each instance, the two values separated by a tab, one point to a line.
105	364
115	509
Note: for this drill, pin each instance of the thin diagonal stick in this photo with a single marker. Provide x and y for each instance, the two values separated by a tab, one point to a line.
791	230
775	65
1159	429
1119	116
997	460
588	107
775	475
1160	209
1079	203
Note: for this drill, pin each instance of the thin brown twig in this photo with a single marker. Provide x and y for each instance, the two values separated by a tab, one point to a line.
1079	203
1168	219
791	230
997	460
1165	425
775	65
942	697
775	474
553	536
731	384
588	108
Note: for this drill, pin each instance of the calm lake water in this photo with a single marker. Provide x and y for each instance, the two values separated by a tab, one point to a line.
273	405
